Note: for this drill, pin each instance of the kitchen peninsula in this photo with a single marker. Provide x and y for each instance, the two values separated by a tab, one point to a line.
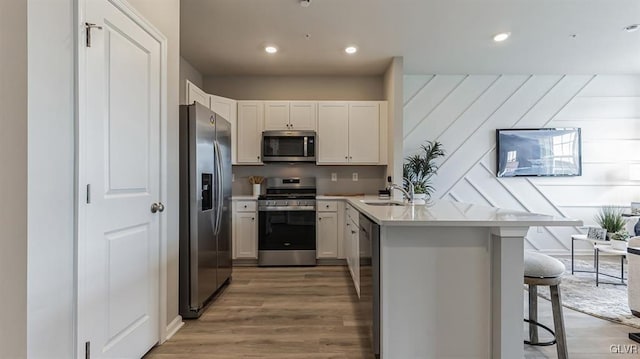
451	277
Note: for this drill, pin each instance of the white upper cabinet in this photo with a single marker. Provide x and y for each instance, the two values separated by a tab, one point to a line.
250	125
195	94
276	115
350	133
302	116
290	115
333	133
364	133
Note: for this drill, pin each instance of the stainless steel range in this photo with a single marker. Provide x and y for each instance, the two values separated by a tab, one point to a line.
287	223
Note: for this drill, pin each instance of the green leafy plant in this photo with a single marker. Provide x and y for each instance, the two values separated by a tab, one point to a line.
610	218
622	235
420	168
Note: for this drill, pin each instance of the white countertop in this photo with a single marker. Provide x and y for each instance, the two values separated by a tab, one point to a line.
441	213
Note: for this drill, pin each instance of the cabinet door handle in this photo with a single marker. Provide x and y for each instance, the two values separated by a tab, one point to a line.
258	157
346	157
253	219
245	206
319	218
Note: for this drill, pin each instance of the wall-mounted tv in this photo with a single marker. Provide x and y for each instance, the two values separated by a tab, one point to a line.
539	152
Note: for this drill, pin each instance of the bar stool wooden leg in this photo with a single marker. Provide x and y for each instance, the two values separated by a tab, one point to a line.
533	313
558	322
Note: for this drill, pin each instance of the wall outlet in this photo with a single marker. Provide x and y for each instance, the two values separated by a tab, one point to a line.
233	177
334	177
539	229
354	176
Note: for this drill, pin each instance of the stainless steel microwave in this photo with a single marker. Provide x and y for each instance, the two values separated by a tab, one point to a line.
288	146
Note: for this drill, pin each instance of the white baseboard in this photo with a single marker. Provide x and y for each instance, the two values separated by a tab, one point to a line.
173	328
577	252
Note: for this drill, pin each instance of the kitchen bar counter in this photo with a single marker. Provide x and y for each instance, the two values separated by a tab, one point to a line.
451	277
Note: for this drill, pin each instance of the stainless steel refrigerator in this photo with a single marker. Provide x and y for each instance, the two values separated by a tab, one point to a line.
205	207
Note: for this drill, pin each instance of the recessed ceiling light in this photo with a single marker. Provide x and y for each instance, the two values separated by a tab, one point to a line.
271	49
632	28
351	50
305	3
501	36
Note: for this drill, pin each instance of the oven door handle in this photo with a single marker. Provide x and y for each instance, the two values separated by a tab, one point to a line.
287	209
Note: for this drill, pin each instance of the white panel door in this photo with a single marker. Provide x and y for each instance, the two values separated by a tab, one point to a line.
333	132
195	94
250	124
327	238
302	115
364	133
119	236
246	235
276	115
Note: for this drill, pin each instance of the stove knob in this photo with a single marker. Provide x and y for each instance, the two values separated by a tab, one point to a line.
298	203
286	203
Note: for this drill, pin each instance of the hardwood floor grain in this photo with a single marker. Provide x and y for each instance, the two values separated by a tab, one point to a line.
312	312
305	312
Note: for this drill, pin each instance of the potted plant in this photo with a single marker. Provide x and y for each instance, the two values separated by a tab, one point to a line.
610	218
619	240
419	168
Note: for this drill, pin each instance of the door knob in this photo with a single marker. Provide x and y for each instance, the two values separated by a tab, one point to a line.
157	207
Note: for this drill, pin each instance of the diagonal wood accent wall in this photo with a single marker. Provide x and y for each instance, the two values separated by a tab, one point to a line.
463	112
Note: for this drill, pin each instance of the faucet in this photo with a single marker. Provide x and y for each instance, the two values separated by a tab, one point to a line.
409	195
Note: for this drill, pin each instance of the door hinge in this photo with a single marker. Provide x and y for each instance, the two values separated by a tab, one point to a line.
87	29
88	193
87	350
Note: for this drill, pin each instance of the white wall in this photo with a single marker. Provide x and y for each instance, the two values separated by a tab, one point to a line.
51	179
464	111
13	179
295	87
165	16
188	72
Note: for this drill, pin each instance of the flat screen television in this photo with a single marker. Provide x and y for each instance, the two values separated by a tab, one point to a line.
539	152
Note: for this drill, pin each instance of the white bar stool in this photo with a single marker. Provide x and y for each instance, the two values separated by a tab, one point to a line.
540	269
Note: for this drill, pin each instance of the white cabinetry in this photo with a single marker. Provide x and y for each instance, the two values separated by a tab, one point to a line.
352	244
250	125
245	230
289	115
195	94
349	133
327	230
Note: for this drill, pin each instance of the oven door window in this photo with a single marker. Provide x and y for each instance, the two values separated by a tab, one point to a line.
287	230
277	146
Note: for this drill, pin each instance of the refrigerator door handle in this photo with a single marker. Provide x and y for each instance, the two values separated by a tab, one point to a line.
219	188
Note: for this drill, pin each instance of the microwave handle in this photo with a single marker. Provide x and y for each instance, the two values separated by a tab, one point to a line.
306	151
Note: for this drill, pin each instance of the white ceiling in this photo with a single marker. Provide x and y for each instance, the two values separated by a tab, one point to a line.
227	37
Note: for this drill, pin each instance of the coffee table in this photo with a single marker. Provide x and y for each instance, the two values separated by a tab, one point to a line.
610	250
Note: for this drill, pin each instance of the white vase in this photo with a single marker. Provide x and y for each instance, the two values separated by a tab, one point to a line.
256	190
619	245
420	196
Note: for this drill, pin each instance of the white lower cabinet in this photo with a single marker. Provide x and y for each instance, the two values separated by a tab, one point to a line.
327	237
352	244
245	230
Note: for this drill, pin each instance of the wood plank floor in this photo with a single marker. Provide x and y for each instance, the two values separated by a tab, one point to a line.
288	313
307	312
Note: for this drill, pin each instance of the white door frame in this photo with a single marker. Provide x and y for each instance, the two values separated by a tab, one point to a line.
80	158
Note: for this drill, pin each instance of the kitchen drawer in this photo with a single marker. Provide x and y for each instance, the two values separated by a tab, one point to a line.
246	206
327	206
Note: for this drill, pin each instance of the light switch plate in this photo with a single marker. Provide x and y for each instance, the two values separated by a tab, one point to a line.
334	177
354	176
